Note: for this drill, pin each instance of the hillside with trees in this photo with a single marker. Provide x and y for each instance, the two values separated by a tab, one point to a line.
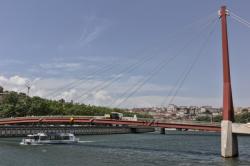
15	104
243	117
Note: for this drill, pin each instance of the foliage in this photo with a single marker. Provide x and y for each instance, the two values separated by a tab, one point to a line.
204	118
217	118
244	117
18	105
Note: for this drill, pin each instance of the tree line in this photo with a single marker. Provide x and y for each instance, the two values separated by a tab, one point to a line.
243	117
15	104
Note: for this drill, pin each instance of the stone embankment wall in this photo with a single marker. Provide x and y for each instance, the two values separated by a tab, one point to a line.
20	131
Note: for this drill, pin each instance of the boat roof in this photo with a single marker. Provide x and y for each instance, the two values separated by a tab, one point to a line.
51	134
59	134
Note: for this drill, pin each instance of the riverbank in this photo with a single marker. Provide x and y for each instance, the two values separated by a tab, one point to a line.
20	131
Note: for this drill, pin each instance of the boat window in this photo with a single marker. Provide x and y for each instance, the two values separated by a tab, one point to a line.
43	138
36	137
58	137
66	137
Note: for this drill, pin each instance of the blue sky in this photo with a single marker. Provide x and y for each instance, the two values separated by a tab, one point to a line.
52	43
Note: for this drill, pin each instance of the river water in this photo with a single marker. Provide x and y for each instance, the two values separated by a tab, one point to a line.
173	148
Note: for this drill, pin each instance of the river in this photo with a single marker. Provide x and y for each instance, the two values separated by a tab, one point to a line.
173	148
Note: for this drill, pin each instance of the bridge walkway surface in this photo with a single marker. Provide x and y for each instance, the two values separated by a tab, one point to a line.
91	120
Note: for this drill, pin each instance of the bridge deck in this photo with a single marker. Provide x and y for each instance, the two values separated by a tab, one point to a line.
91	120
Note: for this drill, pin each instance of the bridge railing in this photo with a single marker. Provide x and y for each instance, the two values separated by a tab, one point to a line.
102	117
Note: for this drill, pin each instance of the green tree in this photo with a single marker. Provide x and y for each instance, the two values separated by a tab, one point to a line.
18	104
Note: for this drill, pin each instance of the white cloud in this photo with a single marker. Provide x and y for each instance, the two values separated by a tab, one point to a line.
3	79
54	88
6	62
57	65
92	28
17	80
88	37
151	101
102	96
68	95
13	81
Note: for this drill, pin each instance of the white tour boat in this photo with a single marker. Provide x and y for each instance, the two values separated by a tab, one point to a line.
49	138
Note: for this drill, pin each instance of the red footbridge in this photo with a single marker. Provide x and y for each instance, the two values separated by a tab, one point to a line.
101	121
228	128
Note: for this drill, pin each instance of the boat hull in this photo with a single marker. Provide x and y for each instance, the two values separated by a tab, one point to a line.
41	138
49	142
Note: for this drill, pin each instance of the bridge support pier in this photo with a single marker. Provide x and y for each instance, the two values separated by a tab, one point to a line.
162	131
229	143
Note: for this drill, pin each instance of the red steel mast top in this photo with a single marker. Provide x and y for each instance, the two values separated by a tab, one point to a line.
228	110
